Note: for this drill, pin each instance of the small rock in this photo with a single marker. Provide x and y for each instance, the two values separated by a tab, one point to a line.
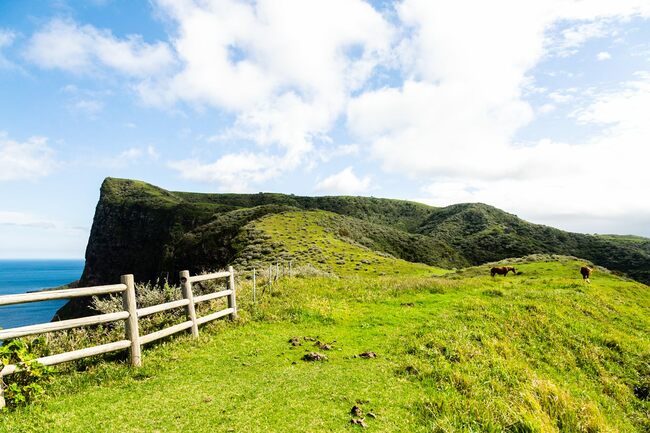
323	346
309	338
359	421
355	411
408	304
367	355
314	356
371	415
295	341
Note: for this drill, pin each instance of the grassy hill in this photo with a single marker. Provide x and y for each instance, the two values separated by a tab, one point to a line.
537	352
339	244
142	229
484	233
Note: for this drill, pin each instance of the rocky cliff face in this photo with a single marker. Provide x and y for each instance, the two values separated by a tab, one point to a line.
133	233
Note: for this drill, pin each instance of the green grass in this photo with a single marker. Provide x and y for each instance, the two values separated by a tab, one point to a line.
537	352
318	238
625	238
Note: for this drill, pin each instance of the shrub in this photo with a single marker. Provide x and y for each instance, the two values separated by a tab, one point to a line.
25	385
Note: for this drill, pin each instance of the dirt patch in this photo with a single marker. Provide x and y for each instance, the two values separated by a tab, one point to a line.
314	356
367	355
295	341
323	346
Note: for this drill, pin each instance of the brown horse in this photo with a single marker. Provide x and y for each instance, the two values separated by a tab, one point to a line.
586	271
503	270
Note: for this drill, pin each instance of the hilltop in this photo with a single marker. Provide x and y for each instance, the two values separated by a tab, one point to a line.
153	233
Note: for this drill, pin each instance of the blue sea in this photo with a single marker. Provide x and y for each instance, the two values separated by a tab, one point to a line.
21	276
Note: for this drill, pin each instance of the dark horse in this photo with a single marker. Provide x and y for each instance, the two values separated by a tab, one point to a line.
502	270
586	271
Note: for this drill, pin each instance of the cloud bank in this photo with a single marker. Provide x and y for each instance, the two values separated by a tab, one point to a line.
435	92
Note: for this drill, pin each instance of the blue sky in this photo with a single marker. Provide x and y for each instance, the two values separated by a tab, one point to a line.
539	108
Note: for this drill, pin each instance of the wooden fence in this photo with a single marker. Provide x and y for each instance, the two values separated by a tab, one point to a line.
132	339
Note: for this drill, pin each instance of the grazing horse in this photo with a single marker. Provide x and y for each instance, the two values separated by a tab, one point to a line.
502	270
586	271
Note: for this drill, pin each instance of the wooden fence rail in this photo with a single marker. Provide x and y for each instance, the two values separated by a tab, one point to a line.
131	314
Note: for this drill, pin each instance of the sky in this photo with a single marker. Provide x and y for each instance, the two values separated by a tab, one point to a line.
540	108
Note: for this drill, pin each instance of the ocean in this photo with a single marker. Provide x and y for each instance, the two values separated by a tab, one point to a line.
21	276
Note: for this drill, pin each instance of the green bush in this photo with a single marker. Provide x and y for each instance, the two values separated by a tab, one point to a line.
26	384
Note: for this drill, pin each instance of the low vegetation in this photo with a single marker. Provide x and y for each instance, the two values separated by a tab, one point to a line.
540	351
26	384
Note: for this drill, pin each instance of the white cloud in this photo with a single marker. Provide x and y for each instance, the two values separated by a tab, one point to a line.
571	39
64	44
459	90
563	96
546	108
326	154
232	172
284	69
603	55
10	218
28	160
455	118
130	156
344	182
85	101
7	38
91	107
592	182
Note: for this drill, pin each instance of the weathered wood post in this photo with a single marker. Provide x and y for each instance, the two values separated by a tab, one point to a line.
2	393
254	288
131	326
232	298
186	284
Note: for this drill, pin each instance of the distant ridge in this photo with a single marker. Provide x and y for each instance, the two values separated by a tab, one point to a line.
153	233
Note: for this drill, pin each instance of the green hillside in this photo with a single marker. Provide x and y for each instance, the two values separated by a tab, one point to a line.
341	245
483	234
153	233
537	352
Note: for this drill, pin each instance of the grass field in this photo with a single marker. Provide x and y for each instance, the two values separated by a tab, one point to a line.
537	352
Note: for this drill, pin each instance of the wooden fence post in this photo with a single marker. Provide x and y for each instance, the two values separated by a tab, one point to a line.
2	393
186	284
131	327
232	298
